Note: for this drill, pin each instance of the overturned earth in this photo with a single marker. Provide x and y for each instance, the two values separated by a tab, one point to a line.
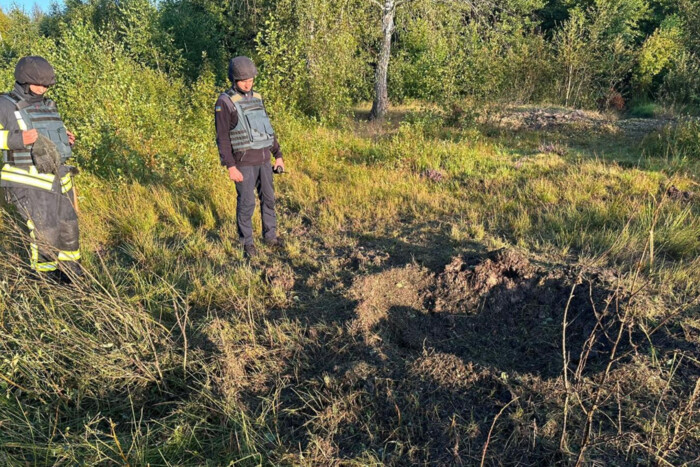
417	363
501	311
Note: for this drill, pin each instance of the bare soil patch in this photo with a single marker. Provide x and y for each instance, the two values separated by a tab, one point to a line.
500	310
554	118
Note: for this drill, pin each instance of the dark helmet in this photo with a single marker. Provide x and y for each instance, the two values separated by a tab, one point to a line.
241	68
34	70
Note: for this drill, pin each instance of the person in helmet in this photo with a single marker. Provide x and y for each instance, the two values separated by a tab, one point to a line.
35	146
247	143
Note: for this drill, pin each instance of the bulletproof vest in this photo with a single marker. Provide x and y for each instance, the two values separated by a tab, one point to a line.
42	116
254	130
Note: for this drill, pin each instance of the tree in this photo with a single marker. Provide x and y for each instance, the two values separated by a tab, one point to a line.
381	93
474	9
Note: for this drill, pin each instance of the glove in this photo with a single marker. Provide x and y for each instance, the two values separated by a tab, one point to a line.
45	155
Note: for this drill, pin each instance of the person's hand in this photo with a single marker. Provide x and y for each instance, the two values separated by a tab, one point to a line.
71	138
29	137
278	163
235	175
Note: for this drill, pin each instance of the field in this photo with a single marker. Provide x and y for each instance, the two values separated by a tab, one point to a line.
507	287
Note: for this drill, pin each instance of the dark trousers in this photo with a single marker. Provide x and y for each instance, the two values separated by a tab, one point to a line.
52	224
258	179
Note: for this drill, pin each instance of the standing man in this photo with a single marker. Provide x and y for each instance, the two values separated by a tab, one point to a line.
246	144
35	146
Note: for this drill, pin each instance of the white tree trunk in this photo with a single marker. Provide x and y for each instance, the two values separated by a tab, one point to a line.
381	95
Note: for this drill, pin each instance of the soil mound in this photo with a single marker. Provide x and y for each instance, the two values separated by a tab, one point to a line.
461	285
501	310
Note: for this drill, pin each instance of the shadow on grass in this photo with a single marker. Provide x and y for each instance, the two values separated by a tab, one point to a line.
423	382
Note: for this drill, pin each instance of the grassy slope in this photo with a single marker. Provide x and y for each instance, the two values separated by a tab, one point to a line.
177	351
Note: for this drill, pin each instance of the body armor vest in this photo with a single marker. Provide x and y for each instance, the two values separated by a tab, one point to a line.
254	130
42	116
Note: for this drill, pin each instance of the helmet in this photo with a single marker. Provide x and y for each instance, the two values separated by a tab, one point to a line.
241	68
34	70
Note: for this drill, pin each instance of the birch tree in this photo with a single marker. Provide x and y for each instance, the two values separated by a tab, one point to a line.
381	92
380	105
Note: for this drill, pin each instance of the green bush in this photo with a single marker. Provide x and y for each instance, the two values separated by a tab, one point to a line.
644	110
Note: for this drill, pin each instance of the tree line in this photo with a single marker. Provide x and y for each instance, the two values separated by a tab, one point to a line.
319	57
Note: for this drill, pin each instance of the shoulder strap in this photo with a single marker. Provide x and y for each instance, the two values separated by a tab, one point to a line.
233	95
15	99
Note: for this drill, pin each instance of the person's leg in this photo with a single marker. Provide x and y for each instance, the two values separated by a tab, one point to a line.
69	237
245	204
266	192
39	210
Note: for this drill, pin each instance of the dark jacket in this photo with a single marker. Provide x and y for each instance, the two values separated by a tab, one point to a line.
8	121
226	119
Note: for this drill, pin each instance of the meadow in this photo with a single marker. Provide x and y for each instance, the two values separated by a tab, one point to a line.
449	292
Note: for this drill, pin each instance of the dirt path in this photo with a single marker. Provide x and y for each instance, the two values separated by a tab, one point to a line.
557	118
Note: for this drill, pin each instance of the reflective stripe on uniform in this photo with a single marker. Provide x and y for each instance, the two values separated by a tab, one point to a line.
29	177
69	255
3	139
44	266
20	121
66	183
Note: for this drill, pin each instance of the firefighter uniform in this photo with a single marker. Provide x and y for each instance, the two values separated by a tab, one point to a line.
43	200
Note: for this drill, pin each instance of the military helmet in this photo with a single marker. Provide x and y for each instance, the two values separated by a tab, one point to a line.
241	68
34	70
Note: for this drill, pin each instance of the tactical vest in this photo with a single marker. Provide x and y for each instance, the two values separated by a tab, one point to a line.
254	130
42	116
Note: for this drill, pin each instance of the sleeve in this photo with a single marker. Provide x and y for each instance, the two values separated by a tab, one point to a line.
10	134
276	149
225	118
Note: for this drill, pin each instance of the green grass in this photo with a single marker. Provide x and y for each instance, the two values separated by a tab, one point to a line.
176	351
645	110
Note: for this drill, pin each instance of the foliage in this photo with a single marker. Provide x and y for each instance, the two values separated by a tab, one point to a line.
659	51
596	51
309	56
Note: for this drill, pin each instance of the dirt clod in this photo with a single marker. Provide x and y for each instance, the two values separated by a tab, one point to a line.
433	175
461	284
679	195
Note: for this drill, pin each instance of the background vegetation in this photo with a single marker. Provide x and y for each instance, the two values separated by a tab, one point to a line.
176	351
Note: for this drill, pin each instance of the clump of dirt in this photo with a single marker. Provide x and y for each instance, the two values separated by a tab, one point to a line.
557	118
280	276
462	284
362	258
446	370
638	127
679	195
553	148
433	175
378	293
545	119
